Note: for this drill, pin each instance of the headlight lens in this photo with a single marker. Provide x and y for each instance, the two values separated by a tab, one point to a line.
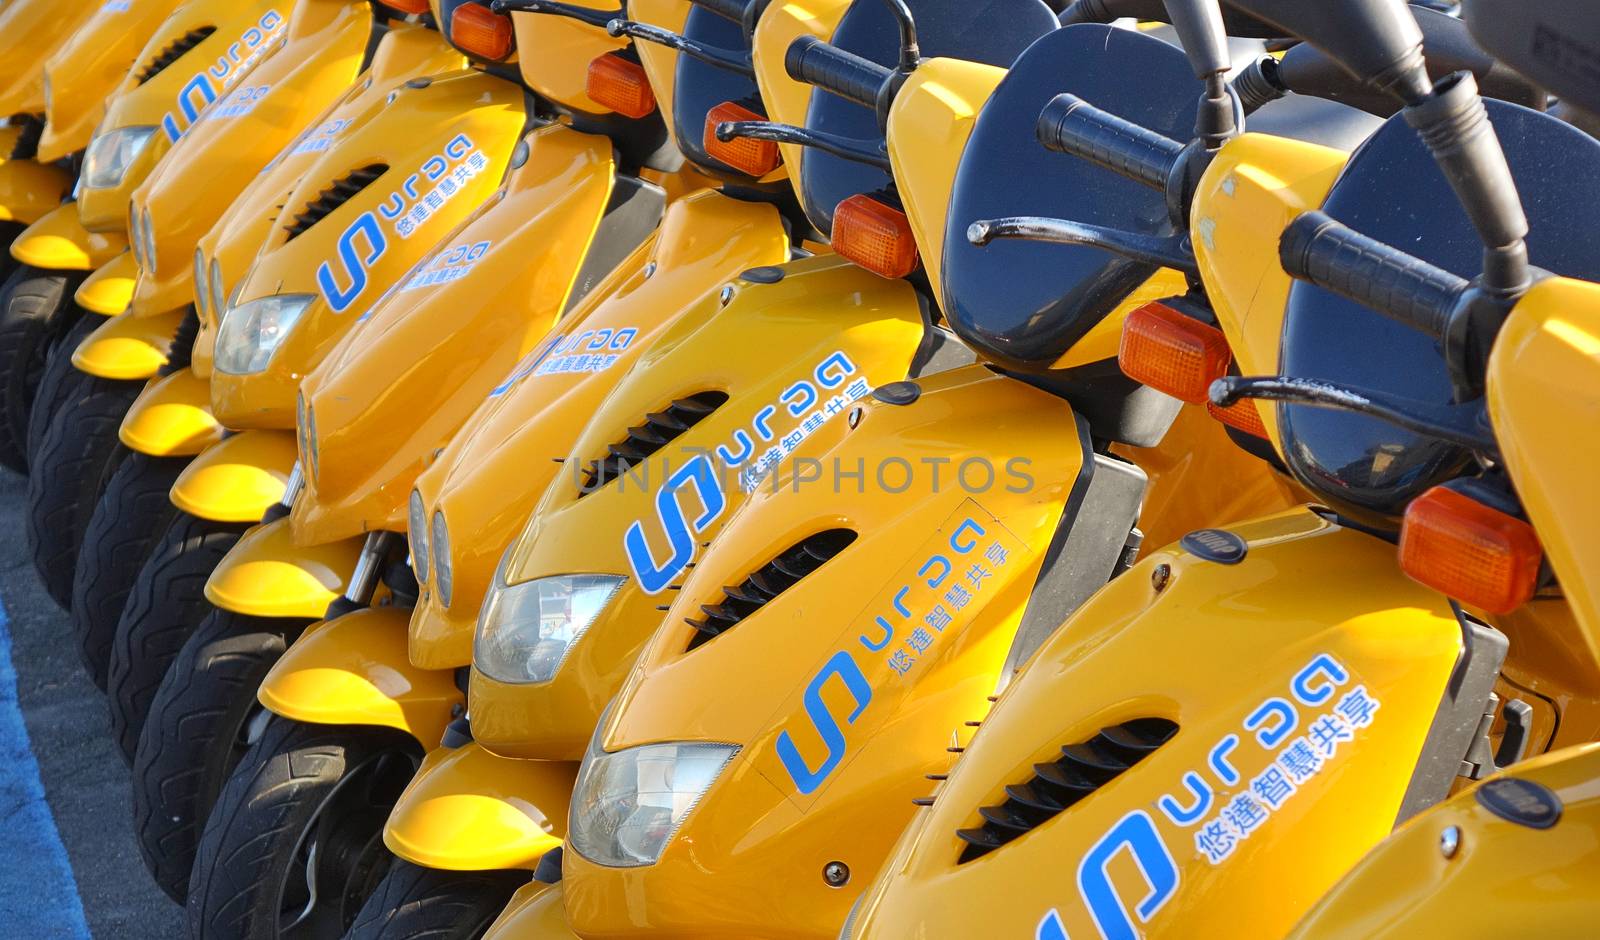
111	154
219	299
525	630
252	332
135	243
626	806
444	580
306	430
417	531
147	233
201	295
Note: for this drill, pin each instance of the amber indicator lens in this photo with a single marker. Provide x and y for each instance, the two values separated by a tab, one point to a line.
1469	551
476	30
751	157
407	6
1243	415
1172	353
621	85
875	236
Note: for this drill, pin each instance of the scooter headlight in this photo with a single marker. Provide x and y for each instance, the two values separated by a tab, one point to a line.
443	575
201	295
147	237
252	332
110	155
305	430
526	630
219	297
626	806
417	531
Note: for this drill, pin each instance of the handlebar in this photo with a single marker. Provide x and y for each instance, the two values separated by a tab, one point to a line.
832	69
728	9
1318	250
597	18
1068	124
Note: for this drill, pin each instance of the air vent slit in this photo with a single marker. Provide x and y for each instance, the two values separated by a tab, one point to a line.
339	192
173	53
783	572
659	429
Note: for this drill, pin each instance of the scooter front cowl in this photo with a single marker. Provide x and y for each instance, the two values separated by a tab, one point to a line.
30	30
1257	709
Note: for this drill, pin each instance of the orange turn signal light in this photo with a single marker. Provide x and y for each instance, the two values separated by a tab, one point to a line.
751	157
1469	551
1172	353
481	33
1243	415
621	85
408	6
874	236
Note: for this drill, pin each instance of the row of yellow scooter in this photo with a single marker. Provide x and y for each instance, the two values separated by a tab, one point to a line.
813	468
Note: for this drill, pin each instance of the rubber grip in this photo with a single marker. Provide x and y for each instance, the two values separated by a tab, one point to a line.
846	74
728	9
1068	124
1318	250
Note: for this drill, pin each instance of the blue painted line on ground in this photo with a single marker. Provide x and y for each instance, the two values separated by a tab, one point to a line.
38	894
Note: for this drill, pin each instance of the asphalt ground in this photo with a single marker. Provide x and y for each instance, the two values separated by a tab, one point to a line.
99	881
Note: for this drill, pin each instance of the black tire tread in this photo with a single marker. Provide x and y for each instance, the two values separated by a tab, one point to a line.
36	308
59	381
419	903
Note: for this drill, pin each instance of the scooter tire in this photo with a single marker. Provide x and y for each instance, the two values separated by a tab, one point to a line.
130	517
202	720
416	902
306	802
72	467
60	381
168	599
36	310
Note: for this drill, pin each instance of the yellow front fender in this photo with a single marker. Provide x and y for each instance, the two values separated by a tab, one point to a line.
354	671
237	480
59	241
109	289
128	347
536	911
266	575
29	190
172	418
470	810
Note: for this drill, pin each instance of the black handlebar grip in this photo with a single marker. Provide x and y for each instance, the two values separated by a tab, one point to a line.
846	74
1318	250
1068	124
728	9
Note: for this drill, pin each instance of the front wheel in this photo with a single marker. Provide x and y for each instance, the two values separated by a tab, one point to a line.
413	901
294	845
36	309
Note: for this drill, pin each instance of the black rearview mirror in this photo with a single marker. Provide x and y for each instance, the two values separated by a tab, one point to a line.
1378	41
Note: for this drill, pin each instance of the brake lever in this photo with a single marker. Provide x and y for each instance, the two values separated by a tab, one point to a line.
596	18
871	153
1172	251
739	63
1466	424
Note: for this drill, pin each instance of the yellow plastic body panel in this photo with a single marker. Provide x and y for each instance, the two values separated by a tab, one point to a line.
172	418
30	30
1248	659
826	328
535	911
171	100
108	290
29	189
86	68
1254	188
353	671
242	132
856	616
929	124
660	63
58	241
395	391
554	53
128	347
1504	878
491	475
237	480
267	575
787	100
468	810
1545	412
459	129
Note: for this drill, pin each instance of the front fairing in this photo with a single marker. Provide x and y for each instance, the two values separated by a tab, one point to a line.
85	69
228	146
30	31
396	390
494	471
444	145
783	355
845	689
1249	660
169	93
405	52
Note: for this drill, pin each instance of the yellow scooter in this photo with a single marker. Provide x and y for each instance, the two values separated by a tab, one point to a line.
36	305
363	214
1369	665
202	51
328	43
236	477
